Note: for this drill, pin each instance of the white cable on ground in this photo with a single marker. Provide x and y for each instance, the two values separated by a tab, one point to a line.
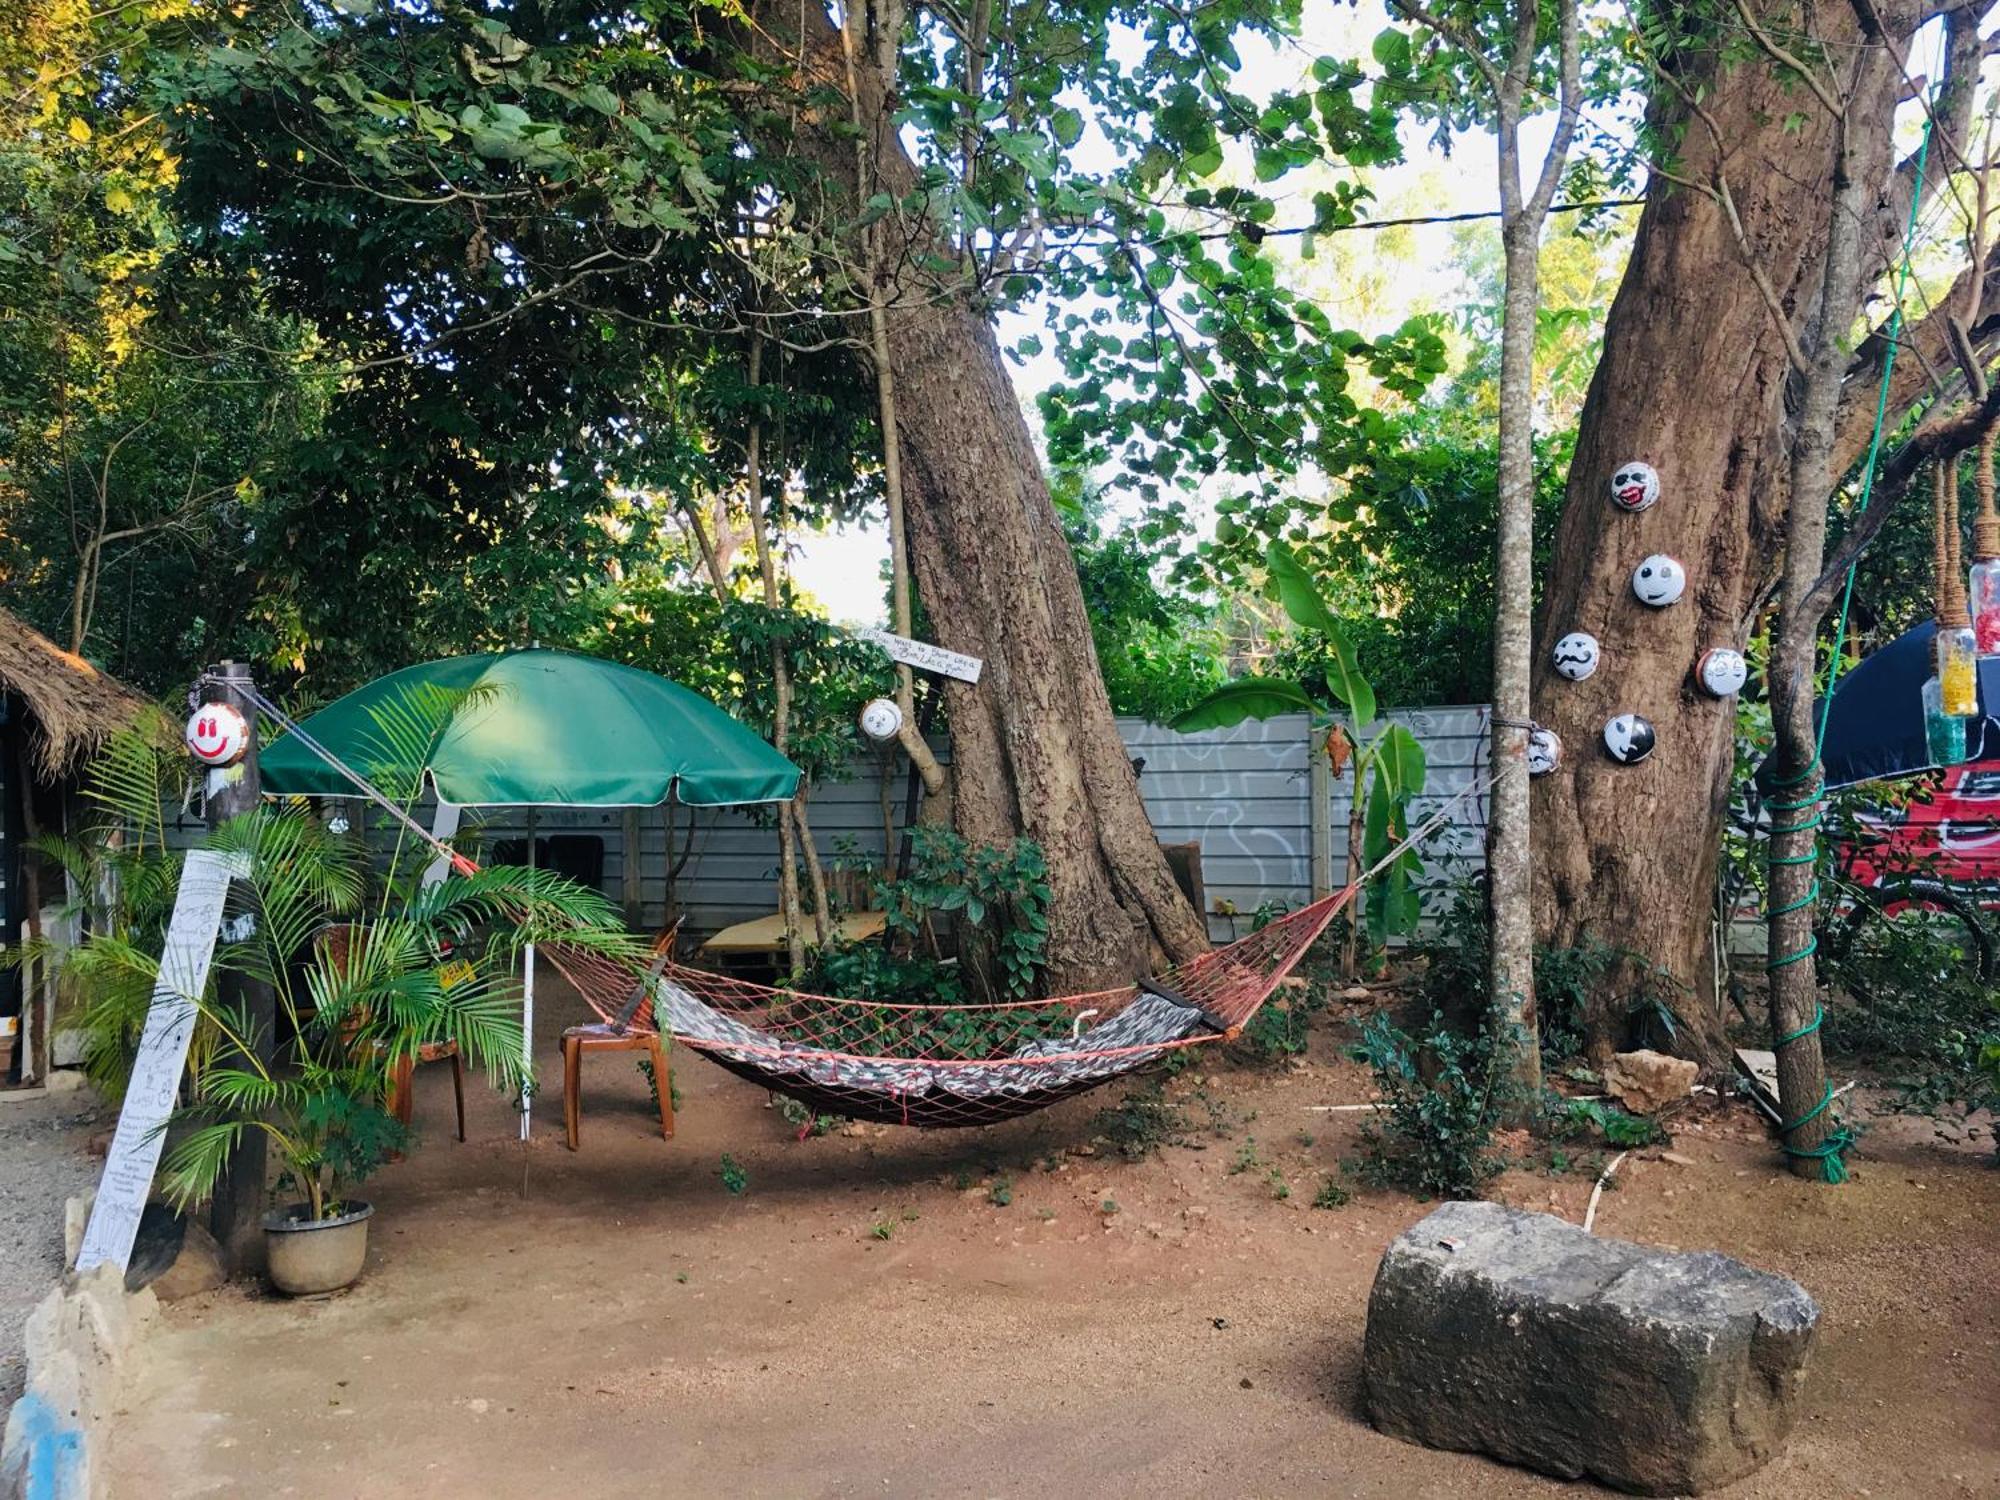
1590	1213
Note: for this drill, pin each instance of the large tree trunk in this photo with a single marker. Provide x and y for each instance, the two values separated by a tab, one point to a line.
1035	750
1692	381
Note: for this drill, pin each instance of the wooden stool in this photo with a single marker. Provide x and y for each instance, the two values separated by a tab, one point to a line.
400	1102
599	1036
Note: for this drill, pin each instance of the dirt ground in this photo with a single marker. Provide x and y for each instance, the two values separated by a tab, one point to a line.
865	1318
44	1160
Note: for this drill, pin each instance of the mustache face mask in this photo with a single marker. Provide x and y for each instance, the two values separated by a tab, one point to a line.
1575	655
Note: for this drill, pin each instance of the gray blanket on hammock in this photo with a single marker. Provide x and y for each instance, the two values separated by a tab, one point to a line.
1147	1024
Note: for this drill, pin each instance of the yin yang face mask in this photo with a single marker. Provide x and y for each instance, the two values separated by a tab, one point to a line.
1722	671
1545	751
1575	655
1659	580
1628	739
1634	486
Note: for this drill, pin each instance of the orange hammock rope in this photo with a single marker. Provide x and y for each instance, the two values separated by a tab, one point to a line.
941	1064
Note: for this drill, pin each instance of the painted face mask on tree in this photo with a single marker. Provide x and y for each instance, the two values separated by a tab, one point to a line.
1545	751
1575	655
1628	739
1634	487
1722	671
1659	580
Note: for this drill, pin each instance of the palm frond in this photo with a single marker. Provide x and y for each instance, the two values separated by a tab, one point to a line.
407	727
129	783
197	1161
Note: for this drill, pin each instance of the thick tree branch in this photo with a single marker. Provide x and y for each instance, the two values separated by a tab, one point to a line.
1939	438
1923	348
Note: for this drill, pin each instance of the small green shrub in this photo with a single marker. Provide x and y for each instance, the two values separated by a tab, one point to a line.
1247	1157
882	1230
1282	1027
1140	1123
1577	1119
1331	1195
735	1181
1567	980
1442	1094
1001	1193
1909	1000
805	1120
653	1084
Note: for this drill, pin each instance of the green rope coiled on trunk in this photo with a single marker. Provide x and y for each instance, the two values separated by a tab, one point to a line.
1831	1151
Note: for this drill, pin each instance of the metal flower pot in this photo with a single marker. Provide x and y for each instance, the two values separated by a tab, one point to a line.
304	1256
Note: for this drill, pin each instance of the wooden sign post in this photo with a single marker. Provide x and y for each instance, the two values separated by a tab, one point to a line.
163	1048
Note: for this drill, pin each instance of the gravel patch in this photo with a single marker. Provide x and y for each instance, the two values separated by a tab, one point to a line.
44	1159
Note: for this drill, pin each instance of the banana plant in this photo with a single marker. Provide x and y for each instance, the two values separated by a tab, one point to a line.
1387	764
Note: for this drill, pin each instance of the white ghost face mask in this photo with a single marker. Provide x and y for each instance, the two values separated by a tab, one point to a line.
1722	671
1575	655
1545	751
881	719
1634	486
1628	738
1659	580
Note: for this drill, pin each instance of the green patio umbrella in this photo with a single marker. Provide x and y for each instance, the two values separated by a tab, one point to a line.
542	729
534	729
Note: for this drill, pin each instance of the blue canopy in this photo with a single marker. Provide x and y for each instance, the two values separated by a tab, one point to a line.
1876	728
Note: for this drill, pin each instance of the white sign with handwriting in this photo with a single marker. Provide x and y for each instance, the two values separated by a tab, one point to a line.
163	1048
924	656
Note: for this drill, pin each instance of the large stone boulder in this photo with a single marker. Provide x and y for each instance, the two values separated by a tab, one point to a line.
1518	1335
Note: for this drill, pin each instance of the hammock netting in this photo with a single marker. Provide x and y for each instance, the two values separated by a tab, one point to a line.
942	1065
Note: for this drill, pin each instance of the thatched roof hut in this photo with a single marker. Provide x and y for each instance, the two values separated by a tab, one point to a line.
74	707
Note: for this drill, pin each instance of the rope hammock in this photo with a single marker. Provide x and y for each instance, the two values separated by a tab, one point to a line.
942	1065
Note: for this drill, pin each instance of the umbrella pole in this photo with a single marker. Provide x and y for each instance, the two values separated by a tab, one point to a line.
528	1011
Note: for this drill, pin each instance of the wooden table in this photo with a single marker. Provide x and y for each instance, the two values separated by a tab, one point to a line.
764	937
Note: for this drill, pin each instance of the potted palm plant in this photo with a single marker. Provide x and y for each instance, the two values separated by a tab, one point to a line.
368	967
366	972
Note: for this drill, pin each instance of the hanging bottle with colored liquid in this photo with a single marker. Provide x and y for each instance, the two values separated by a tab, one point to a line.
1944	734
1984	579
1957	655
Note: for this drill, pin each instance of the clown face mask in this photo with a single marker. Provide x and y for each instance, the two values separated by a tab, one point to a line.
1635	486
1575	655
1659	580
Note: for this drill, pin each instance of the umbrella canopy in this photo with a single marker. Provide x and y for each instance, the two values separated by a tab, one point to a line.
542	728
1876	726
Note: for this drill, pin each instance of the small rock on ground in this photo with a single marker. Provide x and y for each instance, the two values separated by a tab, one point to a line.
1645	1081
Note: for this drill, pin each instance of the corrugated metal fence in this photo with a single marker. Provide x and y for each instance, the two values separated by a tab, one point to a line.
1259	799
